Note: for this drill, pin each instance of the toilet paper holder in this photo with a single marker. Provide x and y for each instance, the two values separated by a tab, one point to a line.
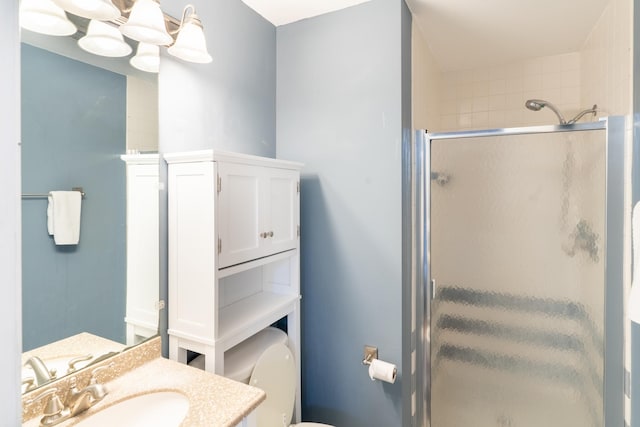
370	353
378	369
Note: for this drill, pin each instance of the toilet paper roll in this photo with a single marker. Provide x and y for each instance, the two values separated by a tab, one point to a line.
383	371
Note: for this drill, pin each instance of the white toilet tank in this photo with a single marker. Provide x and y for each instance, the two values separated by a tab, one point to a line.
265	361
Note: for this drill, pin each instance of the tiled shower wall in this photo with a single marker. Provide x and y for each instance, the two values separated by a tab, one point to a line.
426	80
494	97
600	73
606	61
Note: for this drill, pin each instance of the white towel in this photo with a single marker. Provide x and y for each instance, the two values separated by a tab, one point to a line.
63	216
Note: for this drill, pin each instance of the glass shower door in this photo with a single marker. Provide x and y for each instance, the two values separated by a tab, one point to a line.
517	227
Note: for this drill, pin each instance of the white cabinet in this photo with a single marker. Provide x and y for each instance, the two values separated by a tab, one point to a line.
233	252
258	211
143	267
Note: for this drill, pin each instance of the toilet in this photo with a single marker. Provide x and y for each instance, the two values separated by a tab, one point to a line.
275	373
266	362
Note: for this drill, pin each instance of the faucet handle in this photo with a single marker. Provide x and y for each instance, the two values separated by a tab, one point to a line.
72	363
30	383
53	410
41	396
93	379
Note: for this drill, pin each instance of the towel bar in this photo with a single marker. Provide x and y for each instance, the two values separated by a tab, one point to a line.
42	196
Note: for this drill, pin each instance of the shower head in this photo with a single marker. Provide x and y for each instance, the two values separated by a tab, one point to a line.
534	104
538	104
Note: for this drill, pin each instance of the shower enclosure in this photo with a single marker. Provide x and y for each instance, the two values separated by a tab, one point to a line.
519	276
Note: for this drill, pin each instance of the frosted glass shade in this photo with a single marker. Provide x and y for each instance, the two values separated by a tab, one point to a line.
104	40
191	45
147	58
146	24
103	10
45	17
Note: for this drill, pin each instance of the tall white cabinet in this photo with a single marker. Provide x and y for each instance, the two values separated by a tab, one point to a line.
143	268
233	252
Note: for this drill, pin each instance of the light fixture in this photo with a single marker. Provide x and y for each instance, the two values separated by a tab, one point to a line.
104	40
103	10
45	17
147	58
190	44
146	24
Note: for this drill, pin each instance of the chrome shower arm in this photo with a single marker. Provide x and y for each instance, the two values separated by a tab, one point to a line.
593	110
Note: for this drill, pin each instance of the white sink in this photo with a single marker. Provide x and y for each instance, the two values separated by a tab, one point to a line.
158	409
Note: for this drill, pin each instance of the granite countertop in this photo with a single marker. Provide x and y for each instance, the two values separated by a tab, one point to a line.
213	400
76	345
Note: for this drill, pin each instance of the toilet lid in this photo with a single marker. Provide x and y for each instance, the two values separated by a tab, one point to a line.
275	373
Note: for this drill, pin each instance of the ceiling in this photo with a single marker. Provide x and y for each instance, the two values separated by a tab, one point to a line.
466	34
281	12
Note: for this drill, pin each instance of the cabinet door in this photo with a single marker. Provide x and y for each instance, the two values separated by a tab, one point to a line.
257	212
142	245
281	209
239	213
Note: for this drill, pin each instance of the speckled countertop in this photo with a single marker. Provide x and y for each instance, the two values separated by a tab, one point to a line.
213	400
74	346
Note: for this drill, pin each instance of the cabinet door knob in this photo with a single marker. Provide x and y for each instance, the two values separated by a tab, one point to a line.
263	235
271	234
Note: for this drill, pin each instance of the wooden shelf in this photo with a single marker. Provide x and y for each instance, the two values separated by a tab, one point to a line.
244	318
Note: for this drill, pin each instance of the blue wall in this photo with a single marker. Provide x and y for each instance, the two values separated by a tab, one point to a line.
73	132
228	104
343	109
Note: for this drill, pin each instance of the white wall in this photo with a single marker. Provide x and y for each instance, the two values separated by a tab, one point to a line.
142	114
10	262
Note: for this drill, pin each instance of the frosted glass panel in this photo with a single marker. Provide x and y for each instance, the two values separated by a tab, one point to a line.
517	236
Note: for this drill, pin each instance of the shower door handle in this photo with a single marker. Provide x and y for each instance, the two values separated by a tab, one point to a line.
433	289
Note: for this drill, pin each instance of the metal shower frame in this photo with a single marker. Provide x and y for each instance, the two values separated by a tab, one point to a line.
614	384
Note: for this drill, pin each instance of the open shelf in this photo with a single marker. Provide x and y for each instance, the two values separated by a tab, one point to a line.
244	318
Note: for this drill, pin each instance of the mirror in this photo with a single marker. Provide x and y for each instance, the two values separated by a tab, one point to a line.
80	114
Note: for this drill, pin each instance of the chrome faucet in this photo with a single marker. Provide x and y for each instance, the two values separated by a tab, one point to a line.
42	374
76	401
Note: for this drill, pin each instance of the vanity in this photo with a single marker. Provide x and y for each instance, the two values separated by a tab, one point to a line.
139	389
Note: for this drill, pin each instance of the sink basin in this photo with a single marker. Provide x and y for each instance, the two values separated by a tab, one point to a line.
158	409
